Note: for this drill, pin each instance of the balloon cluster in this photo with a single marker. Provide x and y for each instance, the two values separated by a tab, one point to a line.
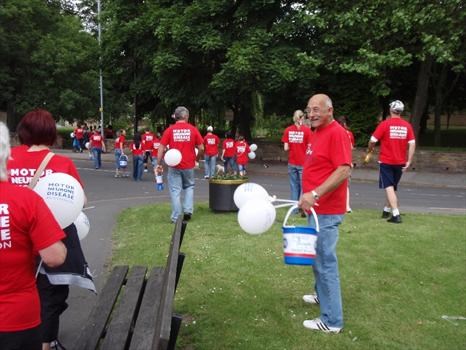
64	196
252	154
256	213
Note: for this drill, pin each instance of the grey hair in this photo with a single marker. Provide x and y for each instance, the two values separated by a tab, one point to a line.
4	151
181	113
328	102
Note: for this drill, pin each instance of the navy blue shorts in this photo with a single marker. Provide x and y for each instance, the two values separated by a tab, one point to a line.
390	175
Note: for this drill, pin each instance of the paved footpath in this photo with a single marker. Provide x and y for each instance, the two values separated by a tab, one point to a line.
107	197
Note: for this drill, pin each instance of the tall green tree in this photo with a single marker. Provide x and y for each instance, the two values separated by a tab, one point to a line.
46	60
381	38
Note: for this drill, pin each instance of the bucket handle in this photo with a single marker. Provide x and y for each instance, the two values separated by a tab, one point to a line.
296	207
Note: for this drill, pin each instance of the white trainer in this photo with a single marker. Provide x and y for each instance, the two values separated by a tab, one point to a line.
318	325
311	299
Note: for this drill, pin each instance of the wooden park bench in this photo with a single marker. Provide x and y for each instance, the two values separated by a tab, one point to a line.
134	311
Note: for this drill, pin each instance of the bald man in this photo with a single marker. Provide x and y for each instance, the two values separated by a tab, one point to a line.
325	179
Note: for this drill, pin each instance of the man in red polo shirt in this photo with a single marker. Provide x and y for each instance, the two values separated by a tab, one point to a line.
394	134
325	177
185	138
295	141
147	146
211	142
79	135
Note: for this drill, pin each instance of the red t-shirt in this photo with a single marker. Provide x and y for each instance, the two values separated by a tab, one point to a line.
242	151
120	142
155	148
351	137
96	140
26	226
136	151
22	165
298	140
330	148
211	142
79	133
394	135
184	137
229	147
148	141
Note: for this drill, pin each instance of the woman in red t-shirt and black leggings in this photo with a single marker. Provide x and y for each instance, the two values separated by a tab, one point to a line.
28	229
37	132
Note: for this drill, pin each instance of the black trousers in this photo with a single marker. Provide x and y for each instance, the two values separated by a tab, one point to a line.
52	305
28	339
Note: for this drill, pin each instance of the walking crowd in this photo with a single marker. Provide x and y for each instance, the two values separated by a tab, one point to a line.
33	295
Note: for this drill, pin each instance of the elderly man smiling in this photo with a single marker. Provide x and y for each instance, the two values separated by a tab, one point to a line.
325	175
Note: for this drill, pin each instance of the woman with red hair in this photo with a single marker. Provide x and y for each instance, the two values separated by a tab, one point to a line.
37	132
28	229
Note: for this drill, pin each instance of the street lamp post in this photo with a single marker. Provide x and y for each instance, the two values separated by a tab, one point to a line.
101	108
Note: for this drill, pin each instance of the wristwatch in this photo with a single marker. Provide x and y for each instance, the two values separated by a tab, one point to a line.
315	195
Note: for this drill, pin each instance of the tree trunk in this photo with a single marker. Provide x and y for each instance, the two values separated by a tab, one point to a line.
135	112
12	119
244	122
422	88
439	98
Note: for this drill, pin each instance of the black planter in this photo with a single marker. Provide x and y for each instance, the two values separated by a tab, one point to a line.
221	194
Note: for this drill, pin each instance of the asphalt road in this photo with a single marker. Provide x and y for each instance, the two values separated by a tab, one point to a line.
108	196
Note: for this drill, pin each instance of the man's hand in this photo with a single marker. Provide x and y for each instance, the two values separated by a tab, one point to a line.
307	201
406	167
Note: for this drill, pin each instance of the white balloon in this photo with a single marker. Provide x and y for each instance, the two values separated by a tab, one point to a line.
248	191
87	145
82	225
172	157
64	196
251	155
256	216
253	147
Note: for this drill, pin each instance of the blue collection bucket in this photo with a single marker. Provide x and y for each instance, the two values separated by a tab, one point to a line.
123	161
299	242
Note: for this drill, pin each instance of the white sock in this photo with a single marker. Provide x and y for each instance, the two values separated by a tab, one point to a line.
387	209
395	212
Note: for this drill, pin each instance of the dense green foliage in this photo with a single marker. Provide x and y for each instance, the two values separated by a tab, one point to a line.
235	292
249	59
46	60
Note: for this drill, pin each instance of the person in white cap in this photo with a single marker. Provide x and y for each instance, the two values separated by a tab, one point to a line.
395	135
211	142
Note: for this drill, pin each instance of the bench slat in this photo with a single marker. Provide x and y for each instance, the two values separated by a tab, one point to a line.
164	316
118	333
144	329
93	330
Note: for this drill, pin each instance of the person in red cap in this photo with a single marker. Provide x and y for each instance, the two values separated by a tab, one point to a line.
211	142
395	135
147	146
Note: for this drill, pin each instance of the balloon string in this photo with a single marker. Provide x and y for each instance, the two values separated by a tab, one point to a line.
274	199
38	268
284	205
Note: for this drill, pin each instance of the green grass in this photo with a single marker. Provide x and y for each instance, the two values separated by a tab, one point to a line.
235	292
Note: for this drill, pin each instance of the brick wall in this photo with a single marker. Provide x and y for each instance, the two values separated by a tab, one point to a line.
454	162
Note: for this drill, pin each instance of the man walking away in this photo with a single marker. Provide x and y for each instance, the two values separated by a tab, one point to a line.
394	135
185	138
